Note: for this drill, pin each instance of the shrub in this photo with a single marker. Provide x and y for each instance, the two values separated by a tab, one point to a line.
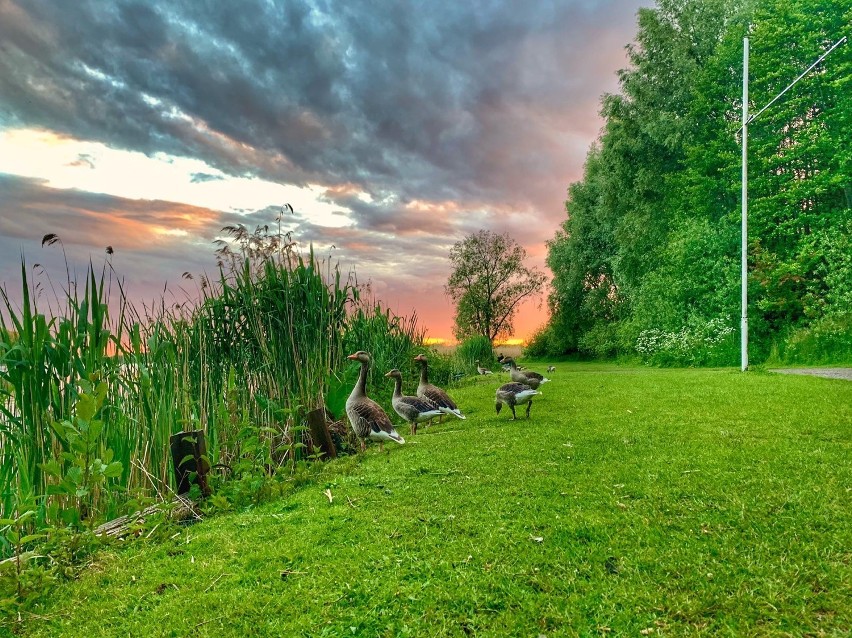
602	341
828	340
542	343
698	343
472	350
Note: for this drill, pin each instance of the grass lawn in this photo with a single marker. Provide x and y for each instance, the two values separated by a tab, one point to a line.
634	502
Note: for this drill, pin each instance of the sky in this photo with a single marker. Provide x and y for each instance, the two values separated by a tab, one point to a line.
393	129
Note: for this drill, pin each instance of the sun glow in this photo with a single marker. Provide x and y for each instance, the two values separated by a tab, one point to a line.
434	341
64	162
511	342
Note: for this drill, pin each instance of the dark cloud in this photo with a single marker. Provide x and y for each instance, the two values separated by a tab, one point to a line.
439	100
198	178
450	115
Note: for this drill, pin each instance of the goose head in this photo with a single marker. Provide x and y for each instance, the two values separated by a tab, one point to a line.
361	356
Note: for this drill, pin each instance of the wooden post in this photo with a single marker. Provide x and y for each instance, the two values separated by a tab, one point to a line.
320	435
189	457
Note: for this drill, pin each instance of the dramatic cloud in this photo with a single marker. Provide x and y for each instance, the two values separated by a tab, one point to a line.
413	123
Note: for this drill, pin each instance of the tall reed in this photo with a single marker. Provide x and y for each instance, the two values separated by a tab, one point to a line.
262	345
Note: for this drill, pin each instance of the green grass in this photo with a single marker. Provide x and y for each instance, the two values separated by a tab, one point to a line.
634	502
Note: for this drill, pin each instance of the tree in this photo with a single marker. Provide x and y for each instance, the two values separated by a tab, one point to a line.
488	283
651	239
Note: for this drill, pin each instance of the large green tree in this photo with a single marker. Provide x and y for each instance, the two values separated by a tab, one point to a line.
651	238
488	283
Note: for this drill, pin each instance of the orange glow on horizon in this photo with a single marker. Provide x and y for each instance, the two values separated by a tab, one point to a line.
441	341
513	341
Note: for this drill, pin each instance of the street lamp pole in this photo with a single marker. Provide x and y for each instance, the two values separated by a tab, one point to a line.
744	264
744	129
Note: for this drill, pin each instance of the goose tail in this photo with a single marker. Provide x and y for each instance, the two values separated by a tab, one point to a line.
456	413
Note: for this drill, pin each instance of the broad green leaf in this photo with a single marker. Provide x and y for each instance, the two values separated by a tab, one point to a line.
113	470
86	407
52	468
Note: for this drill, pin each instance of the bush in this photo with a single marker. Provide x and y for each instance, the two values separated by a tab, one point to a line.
542	343
475	349
828	340
601	342
711	343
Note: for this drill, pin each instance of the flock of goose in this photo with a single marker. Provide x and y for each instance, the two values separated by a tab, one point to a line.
369	420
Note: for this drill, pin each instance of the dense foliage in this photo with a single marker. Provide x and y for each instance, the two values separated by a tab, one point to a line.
488	283
91	388
648	260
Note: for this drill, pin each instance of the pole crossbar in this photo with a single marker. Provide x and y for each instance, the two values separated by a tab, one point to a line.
803	74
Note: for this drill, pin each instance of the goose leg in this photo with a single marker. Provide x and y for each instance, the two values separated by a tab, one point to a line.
529	405
363	446
514	416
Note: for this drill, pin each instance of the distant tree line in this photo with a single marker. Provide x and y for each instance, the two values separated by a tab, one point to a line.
648	259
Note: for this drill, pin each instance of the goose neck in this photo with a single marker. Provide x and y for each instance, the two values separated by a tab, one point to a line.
361	386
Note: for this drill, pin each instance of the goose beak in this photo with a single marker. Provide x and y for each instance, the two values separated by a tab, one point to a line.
352	356
388	374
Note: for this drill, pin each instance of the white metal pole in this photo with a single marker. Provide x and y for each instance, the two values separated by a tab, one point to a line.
744	320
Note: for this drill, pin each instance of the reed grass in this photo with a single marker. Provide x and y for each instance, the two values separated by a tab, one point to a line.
263	344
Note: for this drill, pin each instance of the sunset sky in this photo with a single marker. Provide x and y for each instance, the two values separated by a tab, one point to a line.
392	128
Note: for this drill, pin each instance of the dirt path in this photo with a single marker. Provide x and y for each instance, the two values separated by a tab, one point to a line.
830	373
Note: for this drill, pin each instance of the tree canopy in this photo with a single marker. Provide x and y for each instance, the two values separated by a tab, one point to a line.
651	238
488	283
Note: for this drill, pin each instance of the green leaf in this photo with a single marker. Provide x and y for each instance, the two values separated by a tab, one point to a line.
52	468
86	407
75	475
24	516
113	470
95	428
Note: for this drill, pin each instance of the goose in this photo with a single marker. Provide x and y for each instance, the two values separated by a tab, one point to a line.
413	409
513	394
551	368
366	416
528	377
426	390
482	370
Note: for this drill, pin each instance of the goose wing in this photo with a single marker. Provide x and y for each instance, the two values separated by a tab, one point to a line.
368	417
513	388
414	406
438	396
